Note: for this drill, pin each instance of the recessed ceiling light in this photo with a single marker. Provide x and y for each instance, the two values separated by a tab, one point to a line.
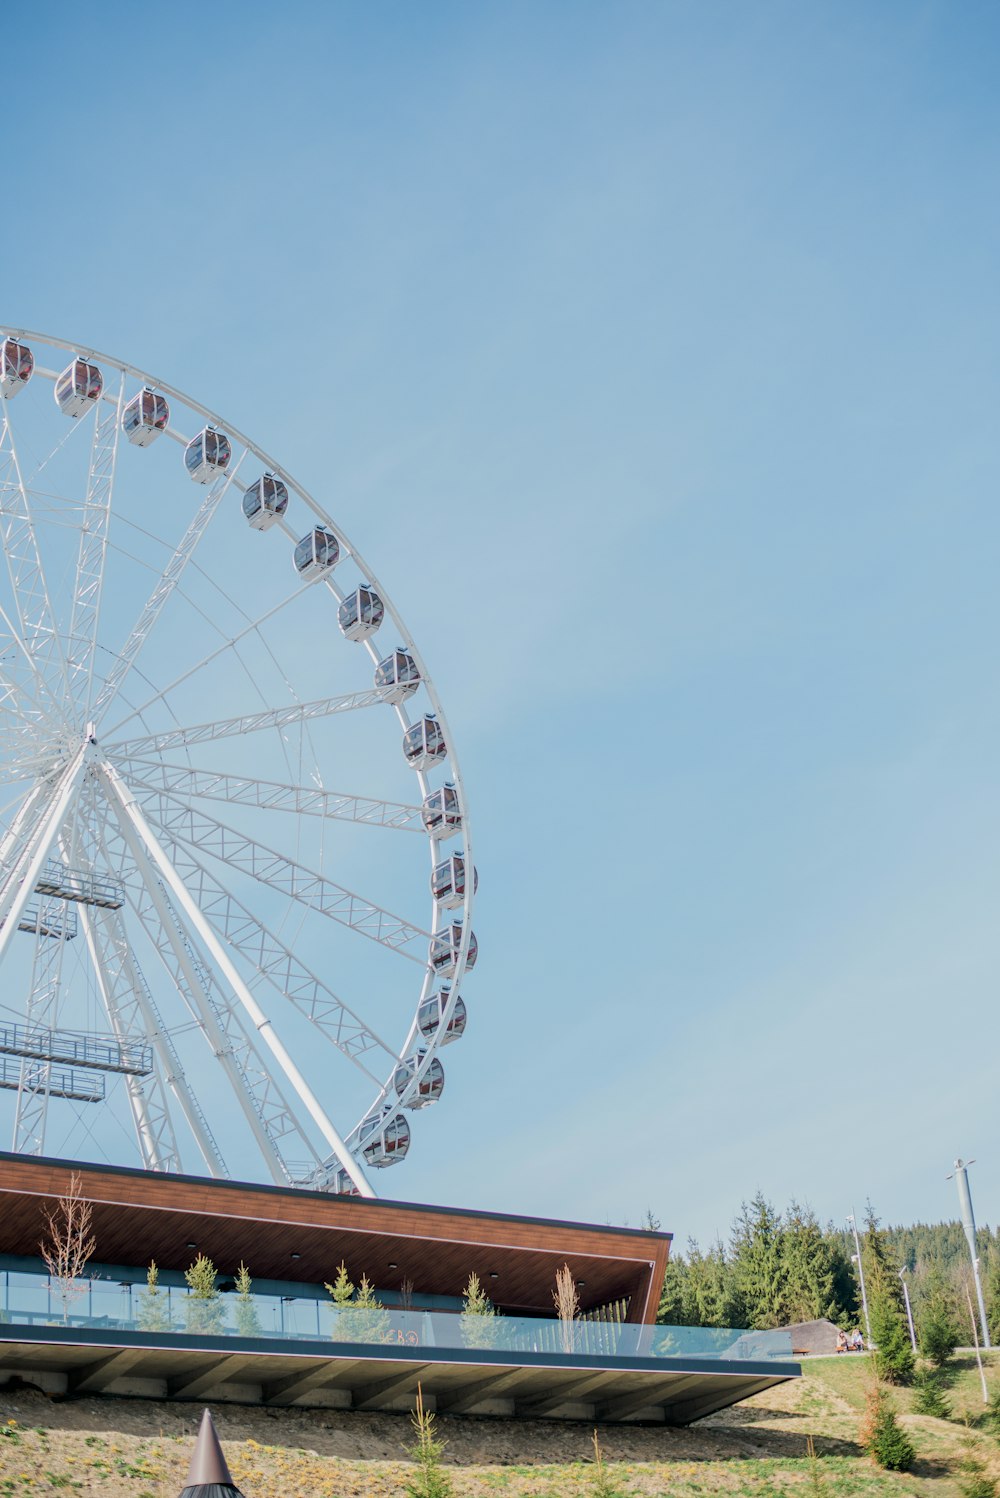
192	1245
393	1266
494	1275
580	1284
296	1256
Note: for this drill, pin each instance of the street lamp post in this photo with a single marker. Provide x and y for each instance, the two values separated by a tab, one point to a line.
861	1276
961	1174
909	1313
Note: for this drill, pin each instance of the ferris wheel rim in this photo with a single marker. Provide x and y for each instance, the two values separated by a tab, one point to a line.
428	1046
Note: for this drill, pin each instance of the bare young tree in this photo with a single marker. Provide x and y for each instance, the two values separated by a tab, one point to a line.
69	1244
567	1304
406	1295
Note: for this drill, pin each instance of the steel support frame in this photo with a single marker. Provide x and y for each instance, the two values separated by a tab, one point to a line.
134	826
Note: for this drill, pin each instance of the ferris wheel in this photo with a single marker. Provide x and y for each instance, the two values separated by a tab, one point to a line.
224	773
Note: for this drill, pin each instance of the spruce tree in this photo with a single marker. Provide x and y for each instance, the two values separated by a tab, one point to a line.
477	1323
370	1318
710	1298
675	1295
991	1295
431	1480
938	1333
881	1435
205	1310
891	1347
889	1328
812	1271
154	1313
342	1290
756	1261
247	1320
358	1315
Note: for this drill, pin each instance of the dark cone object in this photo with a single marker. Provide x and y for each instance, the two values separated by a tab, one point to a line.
209	1475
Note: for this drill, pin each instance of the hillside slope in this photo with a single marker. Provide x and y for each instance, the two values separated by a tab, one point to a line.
119	1448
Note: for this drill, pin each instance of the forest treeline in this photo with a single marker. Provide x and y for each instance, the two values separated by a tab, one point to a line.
778	1267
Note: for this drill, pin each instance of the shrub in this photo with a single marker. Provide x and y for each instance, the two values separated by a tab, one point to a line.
881	1435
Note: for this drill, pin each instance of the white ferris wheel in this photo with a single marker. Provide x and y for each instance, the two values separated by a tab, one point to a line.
222	766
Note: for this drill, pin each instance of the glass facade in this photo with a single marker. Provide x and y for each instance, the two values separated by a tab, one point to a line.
309	1316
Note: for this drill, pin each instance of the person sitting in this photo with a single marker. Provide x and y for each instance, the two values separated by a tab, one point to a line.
841	1341
857	1343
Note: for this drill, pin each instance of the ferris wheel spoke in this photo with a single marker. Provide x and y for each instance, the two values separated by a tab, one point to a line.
128	1005
213	655
187	971
280	968
269	795
228	728
197	831
172	574
142	841
92	553
140	1011
18	885
37	624
28	703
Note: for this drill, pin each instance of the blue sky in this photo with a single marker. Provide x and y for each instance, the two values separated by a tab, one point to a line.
650	353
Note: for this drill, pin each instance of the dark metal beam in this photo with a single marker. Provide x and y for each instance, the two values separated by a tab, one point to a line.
652	1391
373	1396
576	1389
689	1410
484	1388
95	1376
194	1383
286	1390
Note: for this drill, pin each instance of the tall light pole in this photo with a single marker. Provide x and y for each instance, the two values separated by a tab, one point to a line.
861	1276
961	1174
909	1313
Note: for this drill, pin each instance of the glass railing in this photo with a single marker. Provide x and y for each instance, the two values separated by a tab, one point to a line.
27	1300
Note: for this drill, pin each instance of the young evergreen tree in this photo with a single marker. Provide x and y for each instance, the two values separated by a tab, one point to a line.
938	1333
247	1320
928	1395
342	1290
602	1484
205	1310
431	1480
881	1434
892	1350
154	1312
891	1346
372	1318
881	1263
477	1323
